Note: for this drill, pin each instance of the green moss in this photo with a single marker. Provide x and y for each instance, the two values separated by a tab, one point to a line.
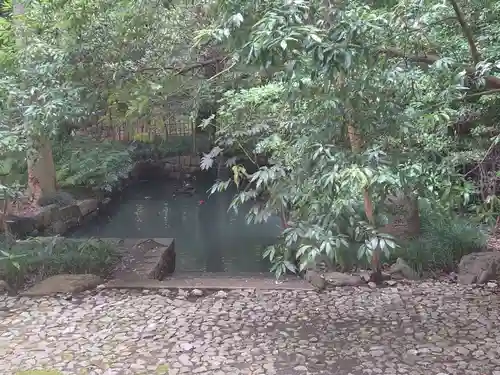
162	370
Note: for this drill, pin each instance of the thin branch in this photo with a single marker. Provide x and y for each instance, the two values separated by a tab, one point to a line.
478	165
431	24
476	57
222	72
184	70
200	64
483	93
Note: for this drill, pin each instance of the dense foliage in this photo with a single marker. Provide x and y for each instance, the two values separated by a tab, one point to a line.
352	103
357	102
85	64
442	243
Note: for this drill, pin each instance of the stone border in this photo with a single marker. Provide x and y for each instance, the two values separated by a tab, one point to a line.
54	219
208	283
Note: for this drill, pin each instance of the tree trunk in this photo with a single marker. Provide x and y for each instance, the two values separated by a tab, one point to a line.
356	141
41	170
405	221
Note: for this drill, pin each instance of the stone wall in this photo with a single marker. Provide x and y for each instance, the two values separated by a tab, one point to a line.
171	167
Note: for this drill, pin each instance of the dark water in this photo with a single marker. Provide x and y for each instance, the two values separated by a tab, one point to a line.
208	238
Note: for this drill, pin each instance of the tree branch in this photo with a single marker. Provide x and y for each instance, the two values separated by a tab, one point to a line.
492	82
476	57
184	70
483	93
200	64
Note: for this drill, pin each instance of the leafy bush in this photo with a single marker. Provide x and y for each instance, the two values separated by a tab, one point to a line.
161	148
86	162
39	258
443	242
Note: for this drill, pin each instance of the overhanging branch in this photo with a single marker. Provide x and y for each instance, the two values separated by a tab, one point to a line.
184	70
492	82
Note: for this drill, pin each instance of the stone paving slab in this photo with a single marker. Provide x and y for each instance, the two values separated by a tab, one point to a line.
424	329
213	283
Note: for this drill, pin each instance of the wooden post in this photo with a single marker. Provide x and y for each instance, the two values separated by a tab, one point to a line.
193	133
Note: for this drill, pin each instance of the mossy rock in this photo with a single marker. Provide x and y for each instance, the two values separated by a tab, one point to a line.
59	198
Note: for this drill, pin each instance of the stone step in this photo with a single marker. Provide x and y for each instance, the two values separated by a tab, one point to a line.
147	259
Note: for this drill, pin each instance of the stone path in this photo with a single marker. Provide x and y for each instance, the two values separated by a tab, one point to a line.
429	328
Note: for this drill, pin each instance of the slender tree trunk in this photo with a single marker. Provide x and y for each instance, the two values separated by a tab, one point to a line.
41	170
357	143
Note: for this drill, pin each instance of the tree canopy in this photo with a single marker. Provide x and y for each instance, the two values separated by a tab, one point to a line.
364	109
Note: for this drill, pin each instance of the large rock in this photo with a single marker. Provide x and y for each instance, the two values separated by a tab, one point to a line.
58	227
46	216
400	268
5	288
185	161
59	198
88	206
70	215
21	226
321	264
195	160
64	284
342	279
479	268
315	279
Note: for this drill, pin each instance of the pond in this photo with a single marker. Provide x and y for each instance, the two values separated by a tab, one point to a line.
208	238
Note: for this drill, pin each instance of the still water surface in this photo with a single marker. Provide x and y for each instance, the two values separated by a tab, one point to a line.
208	238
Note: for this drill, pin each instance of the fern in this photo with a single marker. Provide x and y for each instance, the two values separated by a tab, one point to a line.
84	162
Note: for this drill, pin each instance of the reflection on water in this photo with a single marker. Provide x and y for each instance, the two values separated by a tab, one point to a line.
207	237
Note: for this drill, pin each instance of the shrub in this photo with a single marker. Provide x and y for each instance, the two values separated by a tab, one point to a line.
89	163
38	258
443	242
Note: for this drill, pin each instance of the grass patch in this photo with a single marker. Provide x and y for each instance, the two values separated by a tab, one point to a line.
38	258
443	242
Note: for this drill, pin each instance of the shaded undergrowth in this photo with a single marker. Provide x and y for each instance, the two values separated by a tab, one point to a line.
38	258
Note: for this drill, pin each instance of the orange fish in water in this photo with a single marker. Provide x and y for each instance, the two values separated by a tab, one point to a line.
200	202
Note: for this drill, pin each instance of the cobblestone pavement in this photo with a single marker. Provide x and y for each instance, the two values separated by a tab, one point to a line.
429	328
